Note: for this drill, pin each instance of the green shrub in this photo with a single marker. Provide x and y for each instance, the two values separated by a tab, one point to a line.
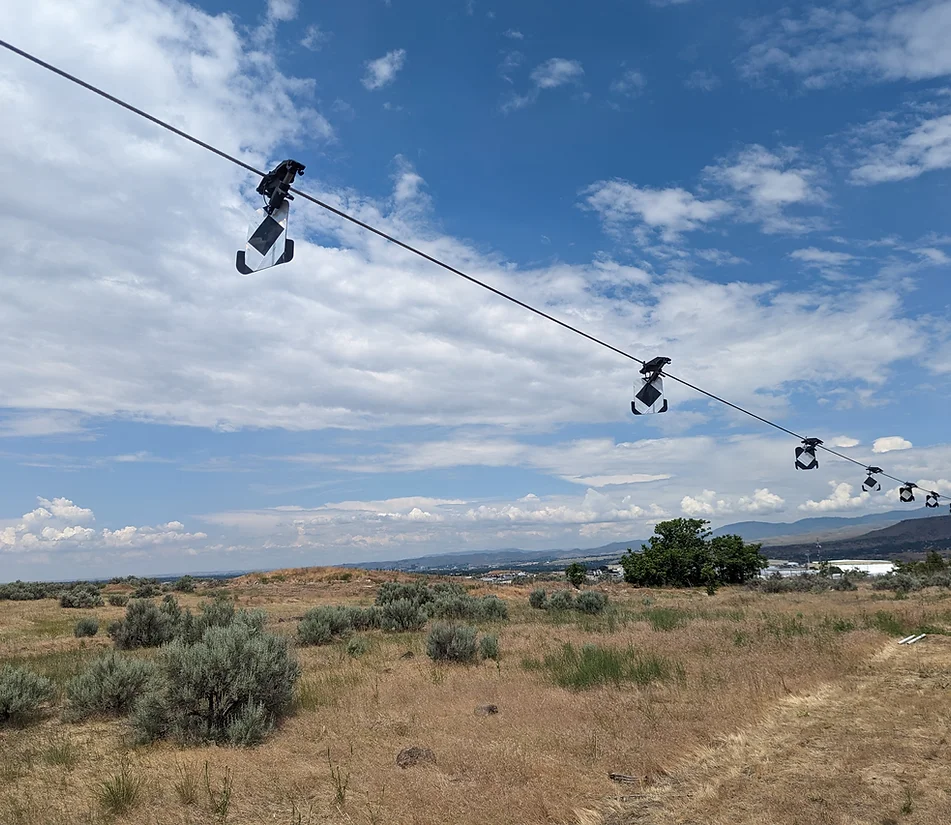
402	614
451	642
87	626
489	647
118	600
147	590
591	601
357	646
844	583
415	592
493	609
561	600
236	675
321	625
448	589
108	687
20	591
22	692
83	596
250	726
144	625
455	608
538	598
185	584
594	665
219	612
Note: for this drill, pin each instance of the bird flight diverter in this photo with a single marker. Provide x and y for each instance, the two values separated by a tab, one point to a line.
931	500
906	492
268	244
872	484
806	454
649	393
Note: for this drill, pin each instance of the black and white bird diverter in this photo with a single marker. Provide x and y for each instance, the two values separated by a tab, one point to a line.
649	390
268	244
931	500
806	458
906	493
872	484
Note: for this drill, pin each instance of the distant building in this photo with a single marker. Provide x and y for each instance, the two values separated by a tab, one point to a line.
873	567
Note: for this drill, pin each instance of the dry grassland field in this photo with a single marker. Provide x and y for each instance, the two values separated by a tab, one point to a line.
740	707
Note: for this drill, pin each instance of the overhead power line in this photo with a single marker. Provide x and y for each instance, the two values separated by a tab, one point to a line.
416	251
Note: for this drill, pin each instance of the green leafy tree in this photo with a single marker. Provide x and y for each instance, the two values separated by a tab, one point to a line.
576	573
682	554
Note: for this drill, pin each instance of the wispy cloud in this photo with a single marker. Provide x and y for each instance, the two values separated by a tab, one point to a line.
630	84
702	81
513	34
315	38
551	74
382	71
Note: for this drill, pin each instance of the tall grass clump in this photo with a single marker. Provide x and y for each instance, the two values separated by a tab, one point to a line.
232	686
665	618
489	646
538	598
593	665
85	627
448	642
402	614
108	687
82	596
22	693
120	793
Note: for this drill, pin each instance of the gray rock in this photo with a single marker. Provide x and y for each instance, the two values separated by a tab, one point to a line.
408	757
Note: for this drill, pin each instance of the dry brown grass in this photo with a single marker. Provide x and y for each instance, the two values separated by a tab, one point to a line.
749	660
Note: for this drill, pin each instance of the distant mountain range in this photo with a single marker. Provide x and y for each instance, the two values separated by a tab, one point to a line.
878	535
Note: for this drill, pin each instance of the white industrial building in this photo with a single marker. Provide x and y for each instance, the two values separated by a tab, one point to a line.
874	567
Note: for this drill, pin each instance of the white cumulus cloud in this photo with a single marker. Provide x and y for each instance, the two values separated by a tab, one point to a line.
840	499
890	443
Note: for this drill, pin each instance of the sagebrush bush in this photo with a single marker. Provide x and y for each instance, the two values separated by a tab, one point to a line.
844	583
493	609
118	600
591	601
402	614
538	598
144	625
415	592
147	590
83	596
204	691
86	626
219	612
448	642
489	646
454	607
321	625
22	693
561	600
108	687
20	591
185	584
250	726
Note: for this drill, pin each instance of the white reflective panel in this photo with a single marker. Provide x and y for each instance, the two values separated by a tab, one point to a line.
649	397
267	240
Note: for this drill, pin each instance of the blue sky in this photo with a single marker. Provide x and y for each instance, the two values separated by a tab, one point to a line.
758	191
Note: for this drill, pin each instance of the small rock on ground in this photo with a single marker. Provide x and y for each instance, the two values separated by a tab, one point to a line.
414	756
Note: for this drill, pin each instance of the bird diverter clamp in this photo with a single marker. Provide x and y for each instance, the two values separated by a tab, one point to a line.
268	244
649	394
806	454
931	499
872	484
906	493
